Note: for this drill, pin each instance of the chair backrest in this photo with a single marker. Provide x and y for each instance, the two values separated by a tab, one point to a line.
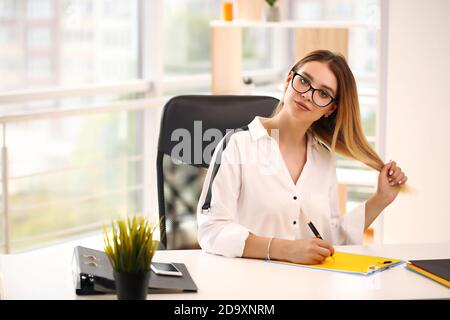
181	166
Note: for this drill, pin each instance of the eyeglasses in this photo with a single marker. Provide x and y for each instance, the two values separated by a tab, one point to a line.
320	97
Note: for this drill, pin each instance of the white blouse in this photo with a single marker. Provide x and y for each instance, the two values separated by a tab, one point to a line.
254	192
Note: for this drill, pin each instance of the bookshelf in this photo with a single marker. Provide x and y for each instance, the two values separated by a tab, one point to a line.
226	50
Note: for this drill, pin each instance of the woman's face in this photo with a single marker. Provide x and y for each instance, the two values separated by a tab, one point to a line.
303	106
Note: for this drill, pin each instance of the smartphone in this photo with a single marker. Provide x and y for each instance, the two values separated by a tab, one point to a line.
165	269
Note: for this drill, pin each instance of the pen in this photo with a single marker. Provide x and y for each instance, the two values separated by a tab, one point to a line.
310	225
316	233
313	228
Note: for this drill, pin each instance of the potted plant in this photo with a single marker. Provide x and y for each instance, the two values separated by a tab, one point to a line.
130	250
271	12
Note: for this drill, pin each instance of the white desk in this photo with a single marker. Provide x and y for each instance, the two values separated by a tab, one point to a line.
47	274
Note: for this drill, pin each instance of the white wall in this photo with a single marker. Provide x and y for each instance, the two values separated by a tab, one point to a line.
418	119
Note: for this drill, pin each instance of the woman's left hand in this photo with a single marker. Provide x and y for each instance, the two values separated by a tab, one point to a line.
390	180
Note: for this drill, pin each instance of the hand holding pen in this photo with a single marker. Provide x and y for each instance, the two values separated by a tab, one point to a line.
317	234
309	251
314	230
313	250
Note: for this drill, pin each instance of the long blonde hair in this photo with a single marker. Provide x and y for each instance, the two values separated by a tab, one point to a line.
342	131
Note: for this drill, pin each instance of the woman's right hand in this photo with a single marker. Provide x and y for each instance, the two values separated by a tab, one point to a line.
309	251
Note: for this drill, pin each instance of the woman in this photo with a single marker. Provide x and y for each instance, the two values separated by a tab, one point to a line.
260	205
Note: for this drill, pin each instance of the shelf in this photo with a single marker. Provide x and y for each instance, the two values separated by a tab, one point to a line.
227	37
293	24
226	46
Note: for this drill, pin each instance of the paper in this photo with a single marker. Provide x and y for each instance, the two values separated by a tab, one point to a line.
351	263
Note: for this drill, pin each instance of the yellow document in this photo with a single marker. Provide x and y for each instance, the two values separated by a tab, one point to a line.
352	263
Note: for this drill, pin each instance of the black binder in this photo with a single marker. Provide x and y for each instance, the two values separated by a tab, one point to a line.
93	274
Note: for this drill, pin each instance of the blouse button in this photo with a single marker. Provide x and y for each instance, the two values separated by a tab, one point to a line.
295	197
294	222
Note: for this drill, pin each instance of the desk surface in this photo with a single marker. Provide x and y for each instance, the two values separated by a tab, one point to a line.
47	274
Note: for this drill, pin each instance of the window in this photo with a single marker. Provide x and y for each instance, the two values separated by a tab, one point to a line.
8	9
187	49
187	40
256	47
70	175
39	68
39	38
39	9
95	33
81	173
7	35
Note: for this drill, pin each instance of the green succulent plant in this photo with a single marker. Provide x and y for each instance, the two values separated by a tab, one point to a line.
131	246
271	2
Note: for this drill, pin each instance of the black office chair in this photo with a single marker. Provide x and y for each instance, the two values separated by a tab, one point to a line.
181	175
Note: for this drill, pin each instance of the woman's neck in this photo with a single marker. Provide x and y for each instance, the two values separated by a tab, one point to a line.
291	133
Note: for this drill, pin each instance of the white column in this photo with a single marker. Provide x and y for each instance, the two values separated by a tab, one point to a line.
418	113
152	68
5	194
381	118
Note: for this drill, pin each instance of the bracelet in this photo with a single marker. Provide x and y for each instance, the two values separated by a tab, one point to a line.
268	249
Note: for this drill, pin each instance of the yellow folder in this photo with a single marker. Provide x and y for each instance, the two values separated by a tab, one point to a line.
352	263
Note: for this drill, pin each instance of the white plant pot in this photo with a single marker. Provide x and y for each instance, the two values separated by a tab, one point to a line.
271	13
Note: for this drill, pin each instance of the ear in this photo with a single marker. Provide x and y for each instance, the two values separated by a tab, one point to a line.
332	109
288	79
